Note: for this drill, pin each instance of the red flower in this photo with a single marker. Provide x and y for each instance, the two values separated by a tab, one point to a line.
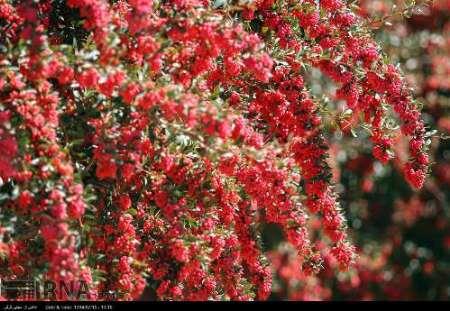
89	78
331	5
124	202
65	75
25	199
416	177
106	168
130	92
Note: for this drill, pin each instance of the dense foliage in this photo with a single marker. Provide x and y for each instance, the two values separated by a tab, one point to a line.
153	144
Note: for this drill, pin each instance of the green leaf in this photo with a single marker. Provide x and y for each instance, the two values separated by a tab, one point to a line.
132	211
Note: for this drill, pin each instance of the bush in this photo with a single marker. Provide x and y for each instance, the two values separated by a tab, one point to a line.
148	144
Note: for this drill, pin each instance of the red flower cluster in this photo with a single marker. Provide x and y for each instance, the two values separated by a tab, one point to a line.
152	147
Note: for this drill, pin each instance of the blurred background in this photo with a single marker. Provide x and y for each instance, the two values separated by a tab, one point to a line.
402	235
